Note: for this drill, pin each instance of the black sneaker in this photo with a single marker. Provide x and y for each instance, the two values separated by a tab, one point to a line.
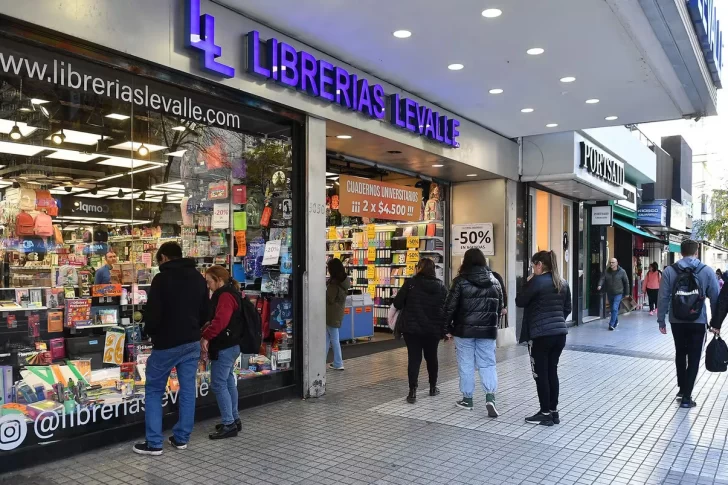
177	444
238	425
611	328
541	418
687	403
555	417
145	449
224	432
434	391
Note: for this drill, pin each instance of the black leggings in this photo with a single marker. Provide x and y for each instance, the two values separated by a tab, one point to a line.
545	353
416	346
652	298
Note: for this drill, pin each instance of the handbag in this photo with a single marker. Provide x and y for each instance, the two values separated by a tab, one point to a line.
399	315
505	336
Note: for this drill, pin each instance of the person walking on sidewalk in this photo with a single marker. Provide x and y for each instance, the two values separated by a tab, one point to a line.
175	312
616	285
683	290
336	291
221	341
546	300
651	286
472	308
722	306
421	301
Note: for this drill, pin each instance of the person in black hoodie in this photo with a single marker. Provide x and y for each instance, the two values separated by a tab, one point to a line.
176	309
221	341
421	302
472	309
546	300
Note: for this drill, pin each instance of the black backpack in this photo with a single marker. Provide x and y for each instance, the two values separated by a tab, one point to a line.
716	355
252	333
688	298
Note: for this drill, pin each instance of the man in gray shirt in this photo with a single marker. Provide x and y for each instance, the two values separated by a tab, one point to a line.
688	314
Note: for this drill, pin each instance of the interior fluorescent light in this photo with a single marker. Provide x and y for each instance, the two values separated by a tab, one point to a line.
592	101
38	101
456	67
111	177
568	79
491	13
144	169
552	125
126	162
611	118
116	116
472	175
535	51
72	156
527	110
77	137
178	153
496	91
402	34
331	173
438	165
180	128
343	137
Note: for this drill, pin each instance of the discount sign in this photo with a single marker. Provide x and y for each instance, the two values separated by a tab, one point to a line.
466	236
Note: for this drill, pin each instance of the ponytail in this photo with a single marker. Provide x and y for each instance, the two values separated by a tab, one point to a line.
235	285
555	272
550	262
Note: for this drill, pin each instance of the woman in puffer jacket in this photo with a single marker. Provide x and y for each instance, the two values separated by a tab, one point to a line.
546	299
472	309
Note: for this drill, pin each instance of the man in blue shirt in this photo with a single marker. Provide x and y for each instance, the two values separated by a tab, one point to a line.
103	274
689	334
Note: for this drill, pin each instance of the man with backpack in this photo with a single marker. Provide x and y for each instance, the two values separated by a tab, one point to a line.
684	287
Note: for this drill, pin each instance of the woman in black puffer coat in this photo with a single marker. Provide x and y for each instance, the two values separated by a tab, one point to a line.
421	300
546	300
472	310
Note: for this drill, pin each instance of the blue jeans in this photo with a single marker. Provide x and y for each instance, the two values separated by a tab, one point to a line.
476	353
225	385
185	359
614	302
332	340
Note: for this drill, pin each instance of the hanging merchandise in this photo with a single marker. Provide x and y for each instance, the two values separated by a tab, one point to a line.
265	217
214	155
240	194
240	221
27	199
24	225
240	243
114	346
240	168
217	190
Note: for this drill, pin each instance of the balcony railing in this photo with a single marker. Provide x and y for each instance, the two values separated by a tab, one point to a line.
644	139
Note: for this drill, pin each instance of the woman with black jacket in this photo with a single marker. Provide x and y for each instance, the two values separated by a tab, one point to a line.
546	300
472	309
221	339
421	301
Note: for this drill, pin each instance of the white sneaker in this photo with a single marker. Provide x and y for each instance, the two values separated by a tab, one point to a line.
331	366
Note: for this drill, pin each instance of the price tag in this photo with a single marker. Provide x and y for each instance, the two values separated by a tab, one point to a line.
337	256
413	242
272	252
332	233
371	271
410	269
371	255
413	257
371	232
221	216
372	290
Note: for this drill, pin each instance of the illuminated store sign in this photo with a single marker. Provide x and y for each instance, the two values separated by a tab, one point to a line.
707	27
601	165
281	62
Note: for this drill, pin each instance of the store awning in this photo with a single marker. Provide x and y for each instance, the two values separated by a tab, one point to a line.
673	248
635	230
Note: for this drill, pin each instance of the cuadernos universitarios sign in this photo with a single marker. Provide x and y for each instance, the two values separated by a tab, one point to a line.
282	63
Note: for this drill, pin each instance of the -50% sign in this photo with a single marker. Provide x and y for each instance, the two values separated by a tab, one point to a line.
466	236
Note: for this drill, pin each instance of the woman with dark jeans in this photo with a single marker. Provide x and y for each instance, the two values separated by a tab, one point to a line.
221	339
546	300
421	301
651	286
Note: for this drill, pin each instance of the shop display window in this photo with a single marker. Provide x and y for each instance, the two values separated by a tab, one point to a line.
95	161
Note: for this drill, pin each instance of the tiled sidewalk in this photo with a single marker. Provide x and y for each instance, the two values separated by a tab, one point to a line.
619	425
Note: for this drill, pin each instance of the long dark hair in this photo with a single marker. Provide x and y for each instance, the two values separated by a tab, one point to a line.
654	267
336	270
473	258
548	260
426	267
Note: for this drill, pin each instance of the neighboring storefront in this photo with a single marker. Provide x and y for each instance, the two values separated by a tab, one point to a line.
107	153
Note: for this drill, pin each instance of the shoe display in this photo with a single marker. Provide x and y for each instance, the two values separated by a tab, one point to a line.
555	417
225	432
490	406
544	419
412	396
434	391
145	449
465	403
238	424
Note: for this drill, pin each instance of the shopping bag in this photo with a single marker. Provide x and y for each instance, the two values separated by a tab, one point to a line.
392	316
505	336
716	355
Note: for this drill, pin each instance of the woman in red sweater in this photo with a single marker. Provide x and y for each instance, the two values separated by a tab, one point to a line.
221	340
651	286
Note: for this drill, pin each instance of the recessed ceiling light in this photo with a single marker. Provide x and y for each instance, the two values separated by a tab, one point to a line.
611	118
592	101
568	79
527	110
343	137
496	91
438	165
472	175
116	116
552	125
455	67
491	13
402	34
535	51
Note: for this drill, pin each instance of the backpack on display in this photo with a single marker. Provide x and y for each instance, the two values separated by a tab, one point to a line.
252	333
43	200
27	199
101	233
43	225
24	225
688	298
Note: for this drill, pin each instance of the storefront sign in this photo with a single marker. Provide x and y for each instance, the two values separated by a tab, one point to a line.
298	69
707	27
601	215
361	197
678	220
630	200
466	236
653	214
601	165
